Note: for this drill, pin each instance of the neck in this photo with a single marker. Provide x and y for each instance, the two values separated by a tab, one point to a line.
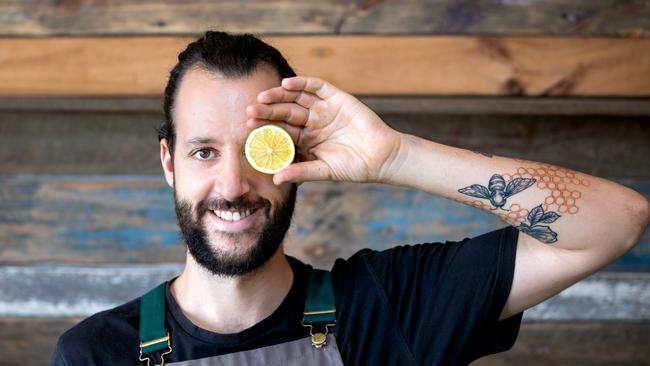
232	304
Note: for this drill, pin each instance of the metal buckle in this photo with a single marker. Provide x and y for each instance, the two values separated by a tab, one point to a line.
151	343
319	312
318	340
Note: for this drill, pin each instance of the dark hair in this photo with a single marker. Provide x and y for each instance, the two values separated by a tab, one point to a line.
231	55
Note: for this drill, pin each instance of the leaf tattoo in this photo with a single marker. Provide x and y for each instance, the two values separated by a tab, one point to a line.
497	191
542	233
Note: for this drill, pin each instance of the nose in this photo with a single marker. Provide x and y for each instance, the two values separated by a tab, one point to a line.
233	177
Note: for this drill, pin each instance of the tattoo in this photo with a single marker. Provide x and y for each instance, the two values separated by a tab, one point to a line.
562	184
497	191
542	233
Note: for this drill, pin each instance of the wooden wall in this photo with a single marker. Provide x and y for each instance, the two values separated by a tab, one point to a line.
82	197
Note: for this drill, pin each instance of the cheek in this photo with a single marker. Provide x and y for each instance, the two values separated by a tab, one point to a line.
191	186
277	195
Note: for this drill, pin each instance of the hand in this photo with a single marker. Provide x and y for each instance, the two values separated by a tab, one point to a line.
337	136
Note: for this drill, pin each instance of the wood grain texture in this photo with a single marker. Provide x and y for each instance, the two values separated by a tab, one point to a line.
560	18
86	17
506	106
362	65
54	290
30	342
130	219
122	142
570	344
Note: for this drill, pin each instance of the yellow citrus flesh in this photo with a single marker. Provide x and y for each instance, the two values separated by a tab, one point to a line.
269	149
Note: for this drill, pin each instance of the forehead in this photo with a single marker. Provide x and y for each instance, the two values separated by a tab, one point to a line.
209	105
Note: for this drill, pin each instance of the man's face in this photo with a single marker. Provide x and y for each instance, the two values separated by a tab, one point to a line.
232	217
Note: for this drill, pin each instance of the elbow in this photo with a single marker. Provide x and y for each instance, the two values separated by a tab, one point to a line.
639	220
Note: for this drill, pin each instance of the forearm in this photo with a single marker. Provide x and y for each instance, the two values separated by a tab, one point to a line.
569	209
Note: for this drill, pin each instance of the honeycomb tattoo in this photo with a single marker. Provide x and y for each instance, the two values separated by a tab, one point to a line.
563	188
562	184
515	215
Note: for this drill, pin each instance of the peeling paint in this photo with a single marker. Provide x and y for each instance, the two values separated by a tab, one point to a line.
64	290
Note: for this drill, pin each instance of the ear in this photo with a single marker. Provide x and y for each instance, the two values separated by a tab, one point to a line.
167	162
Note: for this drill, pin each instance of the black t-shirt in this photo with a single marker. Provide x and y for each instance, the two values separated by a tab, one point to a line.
427	304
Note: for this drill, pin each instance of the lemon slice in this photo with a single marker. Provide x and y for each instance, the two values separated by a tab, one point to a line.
269	149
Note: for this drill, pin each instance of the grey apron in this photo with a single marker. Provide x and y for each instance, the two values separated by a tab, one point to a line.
318	349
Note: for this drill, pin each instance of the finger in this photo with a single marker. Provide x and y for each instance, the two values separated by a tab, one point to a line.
302	172
288	112
256	122
280	94
317	86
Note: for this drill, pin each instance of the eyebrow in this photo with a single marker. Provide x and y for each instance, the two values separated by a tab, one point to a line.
200	141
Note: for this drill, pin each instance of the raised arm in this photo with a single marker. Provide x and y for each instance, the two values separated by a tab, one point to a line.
571	224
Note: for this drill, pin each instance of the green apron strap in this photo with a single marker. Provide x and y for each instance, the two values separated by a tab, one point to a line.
153	335
319	305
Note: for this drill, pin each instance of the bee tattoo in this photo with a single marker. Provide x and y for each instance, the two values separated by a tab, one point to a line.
497	191
542	233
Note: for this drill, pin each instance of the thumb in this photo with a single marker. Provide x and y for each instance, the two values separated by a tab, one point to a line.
302	172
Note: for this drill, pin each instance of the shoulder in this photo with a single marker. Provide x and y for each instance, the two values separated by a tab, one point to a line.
101	337
444	296
490	247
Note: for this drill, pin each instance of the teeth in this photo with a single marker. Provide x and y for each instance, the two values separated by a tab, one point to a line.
232	216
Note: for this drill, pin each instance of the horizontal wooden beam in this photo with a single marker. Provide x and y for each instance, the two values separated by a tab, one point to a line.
131	219
580	343
567	17
30	342
91	137
60	290
481	106
430	105
362	65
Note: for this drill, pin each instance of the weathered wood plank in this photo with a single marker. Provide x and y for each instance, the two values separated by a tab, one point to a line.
404	105
124	142
570	344
362	65
71	142
30	342
573	17
510	106
24	18
99	219
602	296
61	290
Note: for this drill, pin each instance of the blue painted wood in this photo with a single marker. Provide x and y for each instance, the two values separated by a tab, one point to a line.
120	219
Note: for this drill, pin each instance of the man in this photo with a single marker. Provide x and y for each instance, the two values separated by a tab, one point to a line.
241	300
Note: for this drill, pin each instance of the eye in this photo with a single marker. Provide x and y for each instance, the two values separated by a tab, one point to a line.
204	154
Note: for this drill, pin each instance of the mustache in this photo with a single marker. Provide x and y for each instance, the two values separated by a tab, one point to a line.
239	204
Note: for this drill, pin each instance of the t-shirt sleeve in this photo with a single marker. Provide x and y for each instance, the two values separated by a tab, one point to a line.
57	357
450	296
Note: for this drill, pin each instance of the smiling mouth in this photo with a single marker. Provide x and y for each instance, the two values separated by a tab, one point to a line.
233	215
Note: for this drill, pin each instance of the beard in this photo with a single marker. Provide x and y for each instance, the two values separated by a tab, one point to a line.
216	260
